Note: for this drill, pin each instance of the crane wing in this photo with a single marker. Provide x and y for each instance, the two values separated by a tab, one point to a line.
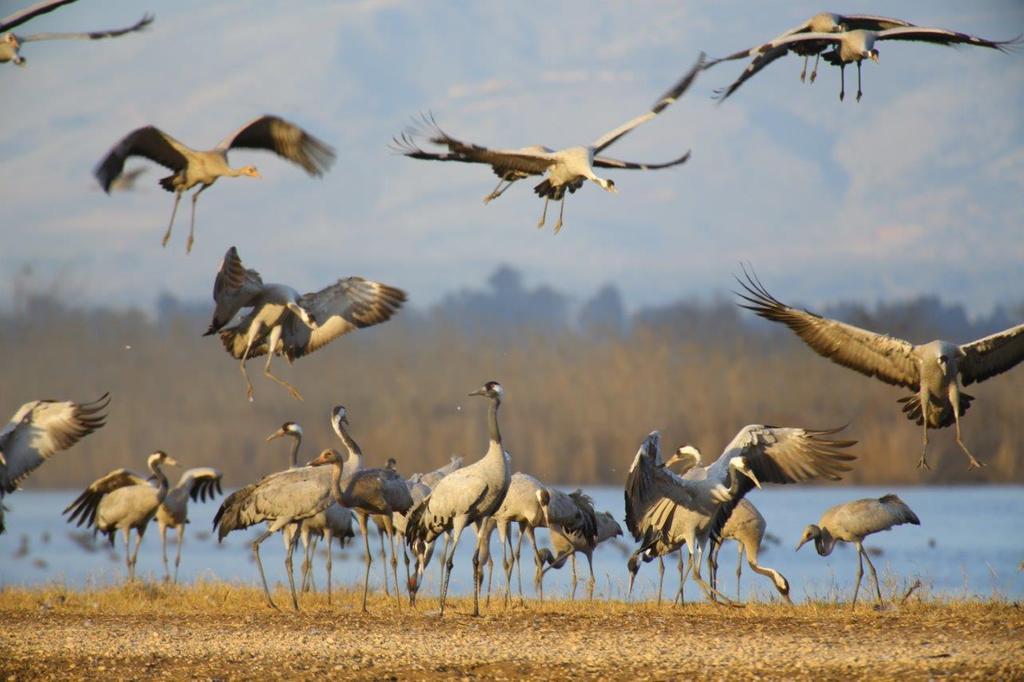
234	338
348	304
40	429
83	509
648	482
876	355
769	52
779	455
31	12
285	139
670	96
991	355
870	22
139	25
532	161
607	162
149	142
204	483
943	36
234	288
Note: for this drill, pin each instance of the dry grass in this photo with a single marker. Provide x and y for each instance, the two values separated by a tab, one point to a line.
219	630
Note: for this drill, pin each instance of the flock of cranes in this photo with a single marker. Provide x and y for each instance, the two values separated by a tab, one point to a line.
665	512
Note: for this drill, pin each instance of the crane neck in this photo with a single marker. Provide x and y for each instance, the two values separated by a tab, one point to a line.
336	475
492	422
355	453
161	491
295	450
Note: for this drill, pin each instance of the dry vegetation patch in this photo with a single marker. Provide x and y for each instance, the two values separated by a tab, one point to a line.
224	631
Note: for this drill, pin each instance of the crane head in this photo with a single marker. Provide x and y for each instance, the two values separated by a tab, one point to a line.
160	458
287	429
492	389
740	465
328	456
339	415
871	54
811	532
607	185
250	171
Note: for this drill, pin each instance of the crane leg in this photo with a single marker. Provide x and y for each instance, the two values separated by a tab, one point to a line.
384	561
538	565
128	553
593	579
519	566
814	73
135	552
369	557
709	591
803	74
498	191
449	560
275	336
713	564
192	226
842	81
478	571
390	530
329	538
291	575
163	545
177	555
544	214
923	462
253	332
874	576
561	212
661	577
681	596
167	234
974	463
859	93
507	558
739	568
259	564
575	580
860	572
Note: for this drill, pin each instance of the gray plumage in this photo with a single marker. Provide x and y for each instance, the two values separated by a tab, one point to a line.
199	484
565	169
846	47
122	500
933	370
468	495
592	529
281	322
10	43
203	167
655	496
39	430
747	527
852	522
366	492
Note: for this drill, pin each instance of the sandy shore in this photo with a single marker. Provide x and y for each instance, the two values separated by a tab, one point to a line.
226	632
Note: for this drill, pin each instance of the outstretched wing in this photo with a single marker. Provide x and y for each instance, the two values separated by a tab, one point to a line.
149	142
769	52
349	304
673	93
532	161
991	355
870	22
142	23
779	455
83	509
40	429
234	288
607	162
943	36
876	355
31	12
285	139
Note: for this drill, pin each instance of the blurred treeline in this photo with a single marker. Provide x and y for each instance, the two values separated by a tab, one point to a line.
584	383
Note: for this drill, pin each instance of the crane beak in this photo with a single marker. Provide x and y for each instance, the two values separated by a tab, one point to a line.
3	460
275	434
323	459
170	462
479	391
750	474
803	541
671	460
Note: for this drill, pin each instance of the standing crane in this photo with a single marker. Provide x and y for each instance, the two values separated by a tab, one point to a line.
367	492
852	522
123	500
932	370
593	529
10	43
281	322
200	484
39	430
194	167
468	495
419	486
566	169
654	495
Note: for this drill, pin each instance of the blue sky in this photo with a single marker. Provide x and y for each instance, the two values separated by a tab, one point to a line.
917	189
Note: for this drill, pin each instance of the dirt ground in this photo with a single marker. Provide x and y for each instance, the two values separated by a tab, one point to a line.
227	632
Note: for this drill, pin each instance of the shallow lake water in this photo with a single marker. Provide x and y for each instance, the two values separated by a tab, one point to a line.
970	542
